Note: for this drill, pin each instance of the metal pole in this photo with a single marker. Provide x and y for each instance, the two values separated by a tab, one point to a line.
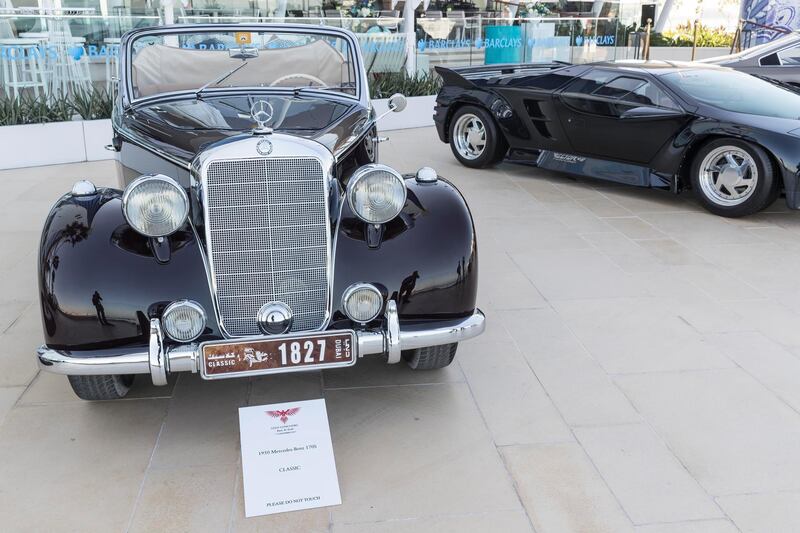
411	37
646	52
694	38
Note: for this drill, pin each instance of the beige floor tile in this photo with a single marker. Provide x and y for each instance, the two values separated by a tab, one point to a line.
505	521
698	526
562	491
49	388
8	397
579	218
405	452
671	252
202	427
758	513
198	498
76	467
581	391
577	274
19	342
518	411
717	282
767	361
291	387
510	290
634	228
629	335
540	333
10	311
373	371
701	229
733	435
773	319
534	233
649	482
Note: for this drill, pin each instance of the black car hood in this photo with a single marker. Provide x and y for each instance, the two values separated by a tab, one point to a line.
183	128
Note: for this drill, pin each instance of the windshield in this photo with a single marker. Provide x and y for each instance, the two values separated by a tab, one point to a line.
188	61
736	91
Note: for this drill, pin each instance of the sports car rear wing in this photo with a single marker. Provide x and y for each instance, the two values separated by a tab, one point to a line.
468	76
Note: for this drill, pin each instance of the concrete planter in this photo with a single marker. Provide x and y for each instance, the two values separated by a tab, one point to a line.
77	141
417	114
56	143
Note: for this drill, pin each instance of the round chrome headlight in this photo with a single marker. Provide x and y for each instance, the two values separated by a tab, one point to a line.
184	320
362	302
155	205
376	193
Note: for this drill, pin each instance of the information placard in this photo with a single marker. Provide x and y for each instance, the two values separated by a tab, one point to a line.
287	458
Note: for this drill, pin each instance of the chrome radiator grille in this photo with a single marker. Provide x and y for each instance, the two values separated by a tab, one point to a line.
267	230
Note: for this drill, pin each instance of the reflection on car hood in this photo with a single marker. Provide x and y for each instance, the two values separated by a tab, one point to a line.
184	127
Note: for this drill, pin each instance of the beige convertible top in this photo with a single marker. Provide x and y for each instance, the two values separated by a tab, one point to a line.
159	68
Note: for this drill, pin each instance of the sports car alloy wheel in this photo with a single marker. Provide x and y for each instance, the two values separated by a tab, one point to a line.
469	135
728	175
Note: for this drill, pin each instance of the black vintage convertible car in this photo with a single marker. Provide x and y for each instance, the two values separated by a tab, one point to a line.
734	139
255	231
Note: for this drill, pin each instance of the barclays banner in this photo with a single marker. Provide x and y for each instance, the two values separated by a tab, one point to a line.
779	14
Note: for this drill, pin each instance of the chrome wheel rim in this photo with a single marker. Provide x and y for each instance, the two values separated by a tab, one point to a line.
469	136
728	176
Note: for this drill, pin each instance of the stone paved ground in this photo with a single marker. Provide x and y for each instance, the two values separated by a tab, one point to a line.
640	372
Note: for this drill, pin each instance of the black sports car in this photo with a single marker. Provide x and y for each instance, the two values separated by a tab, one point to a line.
732	138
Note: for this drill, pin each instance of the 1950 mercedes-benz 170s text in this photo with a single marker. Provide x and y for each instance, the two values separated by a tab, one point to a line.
256	233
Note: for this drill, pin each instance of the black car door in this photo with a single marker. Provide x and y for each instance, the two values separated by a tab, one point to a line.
617	115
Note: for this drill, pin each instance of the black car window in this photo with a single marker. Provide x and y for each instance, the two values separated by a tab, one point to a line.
790	56
735	91
589	82
648	94
619	87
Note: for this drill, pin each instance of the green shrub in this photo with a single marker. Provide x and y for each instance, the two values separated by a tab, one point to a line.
385	84
682	36
29	109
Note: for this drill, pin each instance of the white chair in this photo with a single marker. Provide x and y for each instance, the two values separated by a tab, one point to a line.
23	68
70	66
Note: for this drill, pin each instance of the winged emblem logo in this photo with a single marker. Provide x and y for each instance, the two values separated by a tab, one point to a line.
283	414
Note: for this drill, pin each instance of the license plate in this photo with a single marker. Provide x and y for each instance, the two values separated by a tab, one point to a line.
287	353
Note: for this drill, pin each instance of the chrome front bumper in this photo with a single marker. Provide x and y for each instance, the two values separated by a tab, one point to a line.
160	360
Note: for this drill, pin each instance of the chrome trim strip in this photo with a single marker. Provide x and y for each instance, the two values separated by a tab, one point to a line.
157	357
393	349
184	358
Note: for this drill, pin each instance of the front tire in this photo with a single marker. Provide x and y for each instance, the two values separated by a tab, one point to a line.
475	138
733	178
431	357
101	387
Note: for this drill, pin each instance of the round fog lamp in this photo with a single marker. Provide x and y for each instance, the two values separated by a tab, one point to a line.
184	320
155	205
362	302
376	193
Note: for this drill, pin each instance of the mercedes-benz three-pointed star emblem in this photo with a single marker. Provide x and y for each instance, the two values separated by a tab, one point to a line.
261	112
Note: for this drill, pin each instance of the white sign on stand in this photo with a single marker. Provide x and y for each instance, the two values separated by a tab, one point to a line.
287	458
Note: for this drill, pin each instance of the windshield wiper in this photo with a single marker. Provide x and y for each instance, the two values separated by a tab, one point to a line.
343	88
220	79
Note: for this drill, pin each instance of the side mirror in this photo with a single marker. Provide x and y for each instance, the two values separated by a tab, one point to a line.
650	112
397	102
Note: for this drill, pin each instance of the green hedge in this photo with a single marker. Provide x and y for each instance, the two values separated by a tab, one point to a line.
97	104
89	105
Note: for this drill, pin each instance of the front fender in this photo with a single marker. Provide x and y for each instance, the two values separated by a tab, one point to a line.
100	281
426	260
